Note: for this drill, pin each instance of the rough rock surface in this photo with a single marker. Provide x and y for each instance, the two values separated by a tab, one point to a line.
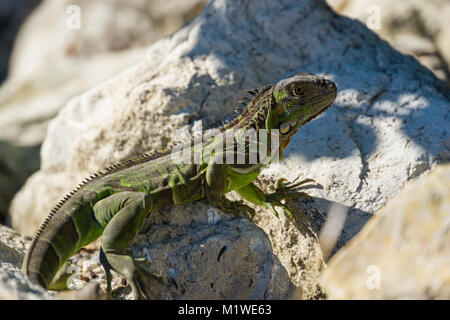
388	125
403	252
412	26
13	284
209	256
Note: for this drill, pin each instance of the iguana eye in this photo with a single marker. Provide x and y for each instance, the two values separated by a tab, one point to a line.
298	90
284	128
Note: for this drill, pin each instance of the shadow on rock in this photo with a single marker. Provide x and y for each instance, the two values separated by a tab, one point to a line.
334	224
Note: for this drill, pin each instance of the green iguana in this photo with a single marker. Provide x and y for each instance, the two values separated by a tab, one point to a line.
114	203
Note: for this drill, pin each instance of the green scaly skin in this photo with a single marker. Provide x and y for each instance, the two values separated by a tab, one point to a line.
113	204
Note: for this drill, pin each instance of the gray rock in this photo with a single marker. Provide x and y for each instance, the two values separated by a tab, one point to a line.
403	252
202	253
13	246
388	124
13	284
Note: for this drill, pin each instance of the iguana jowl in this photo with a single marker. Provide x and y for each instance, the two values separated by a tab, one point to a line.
114	203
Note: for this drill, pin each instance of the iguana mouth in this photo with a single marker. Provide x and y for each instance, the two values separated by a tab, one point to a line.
318	114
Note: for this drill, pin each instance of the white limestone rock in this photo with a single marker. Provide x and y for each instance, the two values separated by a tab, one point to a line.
13	284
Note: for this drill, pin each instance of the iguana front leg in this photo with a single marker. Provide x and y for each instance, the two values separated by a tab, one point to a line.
217	182
255	195
128	210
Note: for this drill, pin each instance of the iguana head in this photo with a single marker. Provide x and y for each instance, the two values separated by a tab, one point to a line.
286	106
296	101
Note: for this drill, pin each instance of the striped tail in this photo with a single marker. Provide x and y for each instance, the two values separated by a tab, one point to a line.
69	227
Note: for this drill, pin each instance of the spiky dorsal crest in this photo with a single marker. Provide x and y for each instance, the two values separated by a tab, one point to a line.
255	109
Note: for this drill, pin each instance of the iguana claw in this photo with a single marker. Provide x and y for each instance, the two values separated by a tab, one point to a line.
284	185
286	190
